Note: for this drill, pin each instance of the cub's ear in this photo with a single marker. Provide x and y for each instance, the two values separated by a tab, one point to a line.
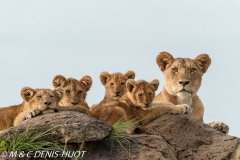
130	84
27	93
58	93
87	82
203	61
129	75
59	80
164	60
104	76
155	84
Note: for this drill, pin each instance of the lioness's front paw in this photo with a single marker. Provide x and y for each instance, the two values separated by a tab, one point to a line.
184	108
220	126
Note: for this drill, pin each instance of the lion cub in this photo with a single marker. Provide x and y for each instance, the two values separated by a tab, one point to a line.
73	91
36	101
182	79
115	85
137	104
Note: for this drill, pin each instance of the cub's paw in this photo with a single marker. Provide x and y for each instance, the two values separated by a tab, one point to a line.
31	114
220	126
184	108
49	111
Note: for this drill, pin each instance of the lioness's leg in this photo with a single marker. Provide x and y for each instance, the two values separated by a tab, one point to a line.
161	110
198	109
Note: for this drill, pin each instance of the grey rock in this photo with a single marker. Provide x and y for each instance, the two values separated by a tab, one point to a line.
67	126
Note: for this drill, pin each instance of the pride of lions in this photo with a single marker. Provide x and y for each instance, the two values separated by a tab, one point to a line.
125	98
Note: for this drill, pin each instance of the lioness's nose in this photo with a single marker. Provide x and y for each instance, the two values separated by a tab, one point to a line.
117	93
74	103
147	104
48	103
184	83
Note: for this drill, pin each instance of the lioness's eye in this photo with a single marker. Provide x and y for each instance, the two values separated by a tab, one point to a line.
51	96
149	94
175	70
111	84
192	70
122	83
67	91
140	95
79	92
39	97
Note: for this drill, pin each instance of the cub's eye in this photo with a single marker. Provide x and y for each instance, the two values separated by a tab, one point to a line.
149	94
79	92
122	83
175	70
51	96
111	84
39	97
67	91
192	70
140	95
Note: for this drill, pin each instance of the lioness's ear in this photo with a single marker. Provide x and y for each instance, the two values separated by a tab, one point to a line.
130	85
58	93
87	82
154	83
59	80
27	93
164	60
129	74
203	61
104	76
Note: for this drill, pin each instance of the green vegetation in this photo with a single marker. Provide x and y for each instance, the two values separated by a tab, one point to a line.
121	127
27	142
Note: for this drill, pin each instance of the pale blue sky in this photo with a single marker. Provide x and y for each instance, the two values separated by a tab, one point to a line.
40	39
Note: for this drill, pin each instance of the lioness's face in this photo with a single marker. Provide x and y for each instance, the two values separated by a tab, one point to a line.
73	91
115	84
40	99
141	92
182	76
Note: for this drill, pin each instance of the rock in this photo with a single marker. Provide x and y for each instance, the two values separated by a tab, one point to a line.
169	137
67	126
192	139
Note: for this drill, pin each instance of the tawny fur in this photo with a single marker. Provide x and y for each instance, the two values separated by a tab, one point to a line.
74	91
182	80
137	104
115	86
7	116
36	101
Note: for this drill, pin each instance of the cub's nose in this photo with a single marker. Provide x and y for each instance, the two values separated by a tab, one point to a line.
117	93
48	103
184	83
147	104
74	103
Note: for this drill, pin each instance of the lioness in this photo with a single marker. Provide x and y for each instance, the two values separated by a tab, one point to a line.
36	101
137	104
114	85
74	91
182	79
